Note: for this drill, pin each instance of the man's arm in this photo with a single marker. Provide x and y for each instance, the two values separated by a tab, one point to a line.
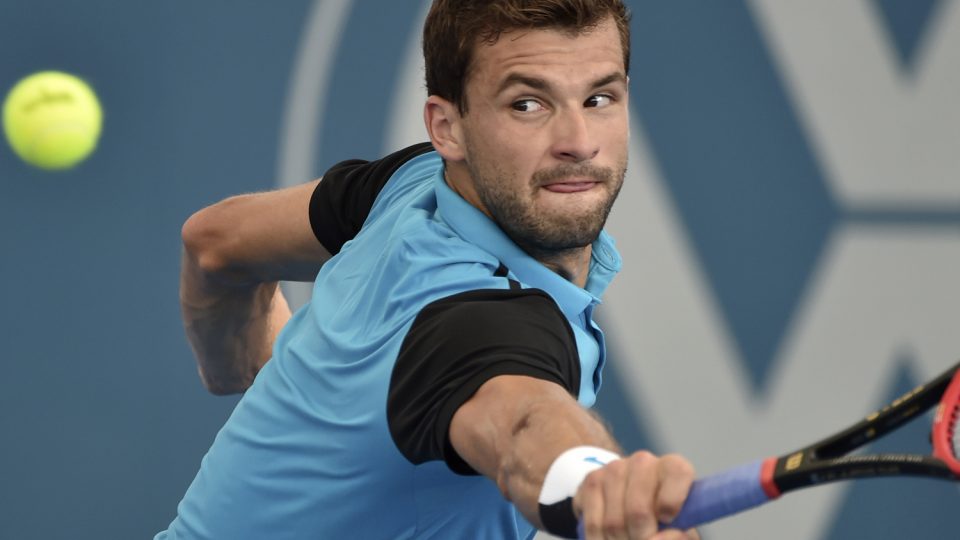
235	253
513	428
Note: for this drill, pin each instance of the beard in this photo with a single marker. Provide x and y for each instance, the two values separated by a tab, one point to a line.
546	232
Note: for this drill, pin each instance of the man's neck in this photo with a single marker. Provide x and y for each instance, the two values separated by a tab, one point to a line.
572	265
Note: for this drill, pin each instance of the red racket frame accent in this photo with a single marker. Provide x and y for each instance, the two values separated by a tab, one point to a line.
766	478
944	423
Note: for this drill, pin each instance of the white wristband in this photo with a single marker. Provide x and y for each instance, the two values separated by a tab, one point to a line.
561	484
569	469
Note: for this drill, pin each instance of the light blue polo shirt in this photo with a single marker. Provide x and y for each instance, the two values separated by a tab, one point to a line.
307	452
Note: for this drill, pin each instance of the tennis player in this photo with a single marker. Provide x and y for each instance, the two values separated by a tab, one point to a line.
438	383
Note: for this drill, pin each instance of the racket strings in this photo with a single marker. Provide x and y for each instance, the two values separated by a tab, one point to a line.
946	431
952	432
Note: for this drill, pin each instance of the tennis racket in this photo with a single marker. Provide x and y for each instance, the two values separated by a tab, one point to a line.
747	486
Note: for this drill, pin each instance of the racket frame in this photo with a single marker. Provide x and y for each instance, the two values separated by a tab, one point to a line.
827	460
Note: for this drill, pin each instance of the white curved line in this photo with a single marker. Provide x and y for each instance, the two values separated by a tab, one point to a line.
404	124
309	82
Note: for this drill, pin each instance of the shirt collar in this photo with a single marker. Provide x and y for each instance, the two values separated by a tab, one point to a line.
474	226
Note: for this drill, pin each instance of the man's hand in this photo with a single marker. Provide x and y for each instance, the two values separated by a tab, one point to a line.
630	497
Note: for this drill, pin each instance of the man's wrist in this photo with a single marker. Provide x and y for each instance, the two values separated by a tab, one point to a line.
561	483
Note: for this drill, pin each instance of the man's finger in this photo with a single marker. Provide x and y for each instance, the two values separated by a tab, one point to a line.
641	490
676	534
589	503
614	494
675	476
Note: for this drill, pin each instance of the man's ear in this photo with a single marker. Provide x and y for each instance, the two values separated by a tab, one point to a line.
443	122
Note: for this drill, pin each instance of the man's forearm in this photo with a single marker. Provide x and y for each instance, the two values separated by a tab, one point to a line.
514	428
231	326
544	435
235	253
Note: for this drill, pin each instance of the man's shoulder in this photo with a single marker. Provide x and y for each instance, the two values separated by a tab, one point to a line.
429	250
409	254
404	171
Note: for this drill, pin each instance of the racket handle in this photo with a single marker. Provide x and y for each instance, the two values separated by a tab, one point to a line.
722	494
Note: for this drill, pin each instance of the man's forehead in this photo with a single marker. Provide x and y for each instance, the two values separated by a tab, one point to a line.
599	43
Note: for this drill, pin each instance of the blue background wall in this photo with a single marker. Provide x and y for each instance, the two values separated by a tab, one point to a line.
104	420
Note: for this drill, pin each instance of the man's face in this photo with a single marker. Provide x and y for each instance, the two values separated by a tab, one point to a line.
545	135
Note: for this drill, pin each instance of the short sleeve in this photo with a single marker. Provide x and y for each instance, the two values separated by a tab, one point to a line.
458	343
343	198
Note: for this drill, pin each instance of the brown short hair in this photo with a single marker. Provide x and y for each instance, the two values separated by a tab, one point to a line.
455	27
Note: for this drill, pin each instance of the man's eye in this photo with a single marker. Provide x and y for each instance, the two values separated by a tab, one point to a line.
598	101
527	105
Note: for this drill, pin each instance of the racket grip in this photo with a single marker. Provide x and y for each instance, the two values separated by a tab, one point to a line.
722	494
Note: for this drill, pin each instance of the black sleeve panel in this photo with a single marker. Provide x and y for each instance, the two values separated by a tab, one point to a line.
343	199
458	343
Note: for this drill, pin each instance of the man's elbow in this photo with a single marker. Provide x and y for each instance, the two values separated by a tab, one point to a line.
208	238
225	386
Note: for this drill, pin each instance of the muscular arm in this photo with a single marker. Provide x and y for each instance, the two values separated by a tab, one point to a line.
513	428
238	249
235	253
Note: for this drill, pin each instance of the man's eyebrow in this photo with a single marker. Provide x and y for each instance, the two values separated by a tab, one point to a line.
516	78
611	78
541	84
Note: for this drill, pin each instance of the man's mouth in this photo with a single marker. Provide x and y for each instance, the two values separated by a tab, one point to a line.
570	187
